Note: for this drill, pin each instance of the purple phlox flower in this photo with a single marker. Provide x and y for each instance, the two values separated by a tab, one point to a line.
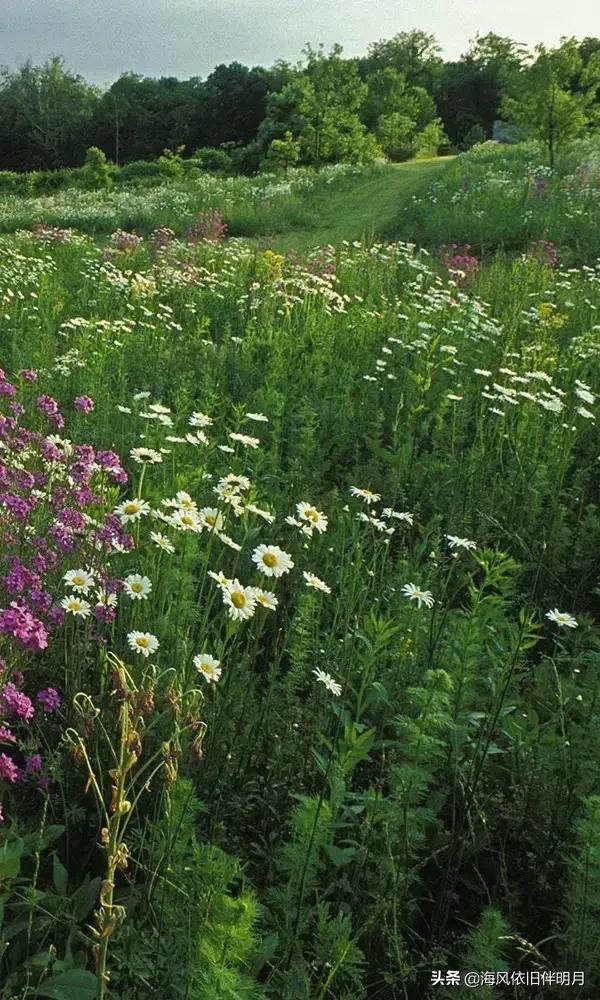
8	768
49	698
15	703
17	620
33	763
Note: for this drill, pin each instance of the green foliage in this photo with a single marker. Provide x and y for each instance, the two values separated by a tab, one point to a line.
483	951
170	163
97	171
283	153
583	895
543	102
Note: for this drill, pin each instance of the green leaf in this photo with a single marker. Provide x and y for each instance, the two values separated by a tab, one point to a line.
340	855
60	876
76	984
10	858
84	897
36	842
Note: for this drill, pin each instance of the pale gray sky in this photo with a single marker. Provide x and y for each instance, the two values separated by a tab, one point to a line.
102	38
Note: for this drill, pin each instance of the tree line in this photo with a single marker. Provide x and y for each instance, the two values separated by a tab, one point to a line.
399	100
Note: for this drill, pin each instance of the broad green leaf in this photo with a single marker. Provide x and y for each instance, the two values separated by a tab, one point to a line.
76	984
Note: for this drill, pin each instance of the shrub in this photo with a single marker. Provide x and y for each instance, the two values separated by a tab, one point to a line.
139	170
96	170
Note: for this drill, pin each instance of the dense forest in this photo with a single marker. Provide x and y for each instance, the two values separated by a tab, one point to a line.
400	100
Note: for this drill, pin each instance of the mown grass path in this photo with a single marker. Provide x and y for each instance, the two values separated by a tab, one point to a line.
369	207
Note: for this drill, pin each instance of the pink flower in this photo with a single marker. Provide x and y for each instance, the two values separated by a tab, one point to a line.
8	768
18	621
15	702
84	403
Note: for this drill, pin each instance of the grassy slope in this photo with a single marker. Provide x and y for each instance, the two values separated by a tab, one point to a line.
371	207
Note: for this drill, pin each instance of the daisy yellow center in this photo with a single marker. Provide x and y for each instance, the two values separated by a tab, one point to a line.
238	598
142	641
78	581
312	514
74	605
211	519
206	668
137	587
269	559
186	519
131	508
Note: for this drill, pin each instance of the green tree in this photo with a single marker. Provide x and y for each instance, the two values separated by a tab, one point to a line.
283	153
543	103
97	169
45	113
331	104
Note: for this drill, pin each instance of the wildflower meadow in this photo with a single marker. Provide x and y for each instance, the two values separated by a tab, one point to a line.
299	591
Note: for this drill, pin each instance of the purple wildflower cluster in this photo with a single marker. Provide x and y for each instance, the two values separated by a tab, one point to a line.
55	511
161	238
544	252
85	404
210	225
17	737
460	261
124	242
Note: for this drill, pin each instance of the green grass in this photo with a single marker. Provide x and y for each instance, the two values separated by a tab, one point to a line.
368	206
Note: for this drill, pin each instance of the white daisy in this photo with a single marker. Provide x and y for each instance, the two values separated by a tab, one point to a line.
76	606
399	515
328	681
245	439
316	583
200	420
79	579
232	479
146	456
460	543
186	520
198	438
240	600
137	587
265	514
367	495
106	600
272	561
562	618
212	518
162	541
143	642
220	577
414	593
266	598
208	667
315	518
132	510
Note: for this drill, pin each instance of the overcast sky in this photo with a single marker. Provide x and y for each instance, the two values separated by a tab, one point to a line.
103	38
